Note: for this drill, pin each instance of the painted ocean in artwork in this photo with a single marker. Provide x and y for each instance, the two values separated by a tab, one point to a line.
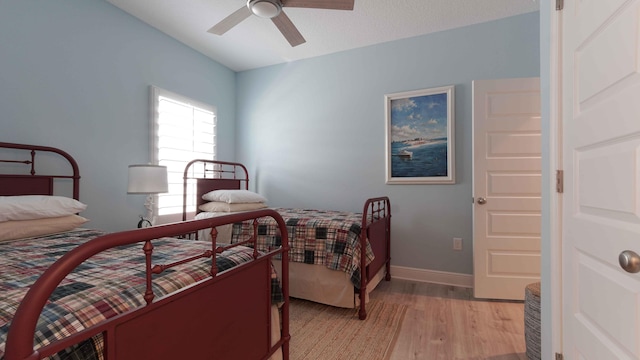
427	159
419	136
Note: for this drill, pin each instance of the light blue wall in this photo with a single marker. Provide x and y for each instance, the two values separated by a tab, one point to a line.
312	132
74	74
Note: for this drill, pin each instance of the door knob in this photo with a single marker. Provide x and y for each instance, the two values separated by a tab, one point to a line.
482	201
629	261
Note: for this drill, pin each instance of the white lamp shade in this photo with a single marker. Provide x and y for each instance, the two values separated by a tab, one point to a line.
147	179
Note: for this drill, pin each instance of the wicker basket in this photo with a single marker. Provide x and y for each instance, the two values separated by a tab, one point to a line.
532	320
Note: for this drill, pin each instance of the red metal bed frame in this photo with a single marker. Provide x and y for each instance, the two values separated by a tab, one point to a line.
227	316
210	175
33	183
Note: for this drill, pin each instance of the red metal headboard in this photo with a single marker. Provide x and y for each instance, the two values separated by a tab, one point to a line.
210	175
34	183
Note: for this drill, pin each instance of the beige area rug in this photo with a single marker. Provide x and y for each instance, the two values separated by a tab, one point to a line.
321	332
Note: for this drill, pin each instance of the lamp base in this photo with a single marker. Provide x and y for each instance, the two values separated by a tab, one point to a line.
149	205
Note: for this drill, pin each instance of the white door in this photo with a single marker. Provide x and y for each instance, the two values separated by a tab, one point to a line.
601	147
506	187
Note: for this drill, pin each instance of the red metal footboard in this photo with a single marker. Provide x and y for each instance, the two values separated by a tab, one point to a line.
224	317
376	228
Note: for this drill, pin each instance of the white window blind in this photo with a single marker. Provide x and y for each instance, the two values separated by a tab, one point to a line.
182	130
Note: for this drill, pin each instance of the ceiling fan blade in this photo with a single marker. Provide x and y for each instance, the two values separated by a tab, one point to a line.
320	4
230	21
286	27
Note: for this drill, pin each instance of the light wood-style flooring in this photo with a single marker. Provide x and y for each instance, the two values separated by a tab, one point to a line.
448	323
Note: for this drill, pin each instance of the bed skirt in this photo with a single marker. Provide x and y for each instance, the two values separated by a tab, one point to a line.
322	285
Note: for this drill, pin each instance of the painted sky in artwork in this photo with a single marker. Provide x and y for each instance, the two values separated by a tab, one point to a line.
419	117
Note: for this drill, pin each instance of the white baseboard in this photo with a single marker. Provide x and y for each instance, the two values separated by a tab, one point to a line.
432	276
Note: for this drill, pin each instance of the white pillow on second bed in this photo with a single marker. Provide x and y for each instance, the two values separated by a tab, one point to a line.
218	206
234	196
223	202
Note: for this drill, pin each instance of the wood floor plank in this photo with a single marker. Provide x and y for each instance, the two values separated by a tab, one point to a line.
446	322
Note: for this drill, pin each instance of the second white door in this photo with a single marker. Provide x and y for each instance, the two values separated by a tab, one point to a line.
506	187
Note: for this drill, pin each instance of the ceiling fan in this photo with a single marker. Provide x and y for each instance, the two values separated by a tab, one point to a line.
272	9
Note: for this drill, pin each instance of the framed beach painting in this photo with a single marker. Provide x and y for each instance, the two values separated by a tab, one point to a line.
420	136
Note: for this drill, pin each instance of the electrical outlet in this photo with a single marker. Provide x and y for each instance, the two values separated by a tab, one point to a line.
457	243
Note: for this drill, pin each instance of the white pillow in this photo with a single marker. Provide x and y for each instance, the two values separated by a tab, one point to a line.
234	196
19	229
28	207
217	206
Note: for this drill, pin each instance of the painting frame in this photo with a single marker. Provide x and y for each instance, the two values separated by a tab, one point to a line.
420	136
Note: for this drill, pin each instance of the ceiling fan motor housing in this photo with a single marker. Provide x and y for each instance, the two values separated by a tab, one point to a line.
272	9
265	8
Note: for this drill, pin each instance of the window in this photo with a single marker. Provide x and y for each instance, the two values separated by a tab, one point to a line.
181	130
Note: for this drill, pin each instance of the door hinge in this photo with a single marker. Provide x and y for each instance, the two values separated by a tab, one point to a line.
559	181
559	5
559	356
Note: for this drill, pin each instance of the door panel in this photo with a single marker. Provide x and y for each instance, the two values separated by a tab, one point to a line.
601	147
514	184
507	163
514	223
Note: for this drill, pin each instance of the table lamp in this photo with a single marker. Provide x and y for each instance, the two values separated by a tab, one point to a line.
147	179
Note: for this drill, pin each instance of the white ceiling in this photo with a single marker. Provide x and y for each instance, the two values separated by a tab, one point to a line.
256	42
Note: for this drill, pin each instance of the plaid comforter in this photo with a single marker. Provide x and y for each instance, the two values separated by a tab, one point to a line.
107	284
330	238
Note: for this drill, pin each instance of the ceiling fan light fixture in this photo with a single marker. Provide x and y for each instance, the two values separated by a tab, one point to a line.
265	8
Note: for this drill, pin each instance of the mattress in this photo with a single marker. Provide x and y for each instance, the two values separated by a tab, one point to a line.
224	231
320	237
